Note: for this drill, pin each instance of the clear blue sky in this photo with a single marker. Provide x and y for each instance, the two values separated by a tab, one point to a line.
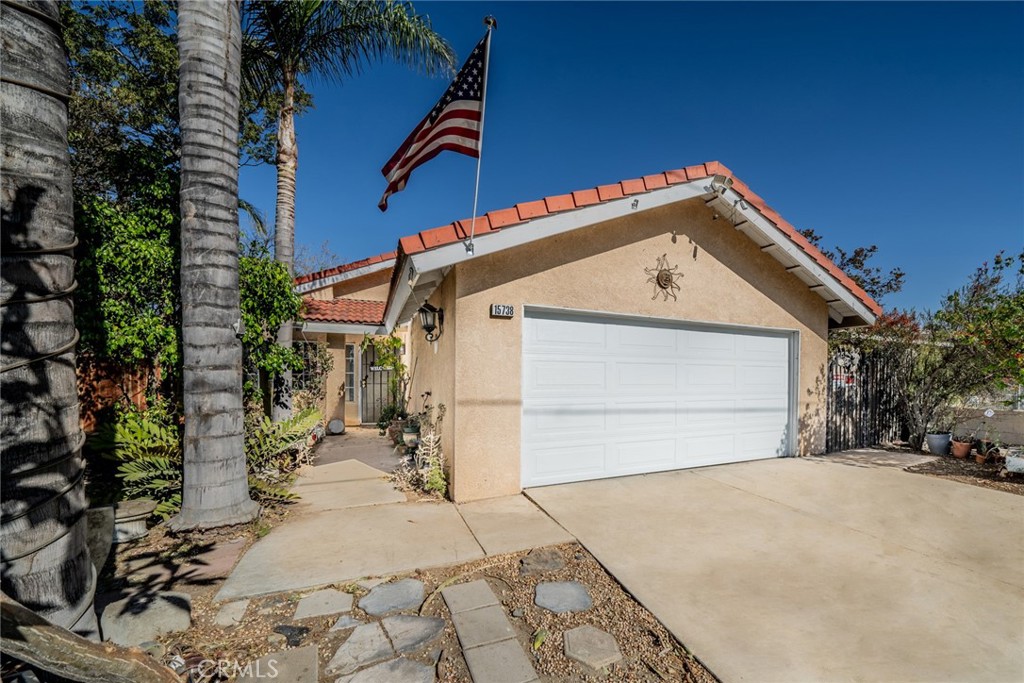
896	124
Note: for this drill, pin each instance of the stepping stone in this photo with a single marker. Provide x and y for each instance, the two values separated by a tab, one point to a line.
591	647
295	666
482	626
328	601
139	618
399	670
346	621
409	634
467	596
541	561
366	645
393	597
293	634
370	584
231	614
503	662
563	596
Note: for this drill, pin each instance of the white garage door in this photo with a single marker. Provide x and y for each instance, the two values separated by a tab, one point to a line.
605	396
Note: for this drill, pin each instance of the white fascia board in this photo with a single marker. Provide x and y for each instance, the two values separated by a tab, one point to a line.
340	328
400	293
832	286
341	277
547	226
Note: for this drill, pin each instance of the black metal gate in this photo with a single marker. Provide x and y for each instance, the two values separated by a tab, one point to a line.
375	386
862	400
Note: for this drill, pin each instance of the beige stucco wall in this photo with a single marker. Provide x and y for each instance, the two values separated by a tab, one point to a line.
372	287
726	278
432	365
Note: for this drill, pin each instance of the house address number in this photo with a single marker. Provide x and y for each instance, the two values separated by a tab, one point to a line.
502	311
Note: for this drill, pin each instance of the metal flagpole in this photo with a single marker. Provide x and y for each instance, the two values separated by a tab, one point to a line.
491	23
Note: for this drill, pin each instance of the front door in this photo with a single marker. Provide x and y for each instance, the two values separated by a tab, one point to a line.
374	386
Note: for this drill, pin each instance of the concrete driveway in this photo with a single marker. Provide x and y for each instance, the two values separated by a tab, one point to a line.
809	570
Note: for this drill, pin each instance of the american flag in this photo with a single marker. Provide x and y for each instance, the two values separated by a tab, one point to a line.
453	123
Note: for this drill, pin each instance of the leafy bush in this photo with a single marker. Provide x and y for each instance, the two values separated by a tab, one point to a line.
387	414
274	450
150	458
149	454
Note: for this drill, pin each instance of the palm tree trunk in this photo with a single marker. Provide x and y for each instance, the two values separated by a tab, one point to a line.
45	560
215	488
284	233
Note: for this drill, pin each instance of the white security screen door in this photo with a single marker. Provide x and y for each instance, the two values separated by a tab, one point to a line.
606	396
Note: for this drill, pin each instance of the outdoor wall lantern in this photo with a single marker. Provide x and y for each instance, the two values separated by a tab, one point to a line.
432	321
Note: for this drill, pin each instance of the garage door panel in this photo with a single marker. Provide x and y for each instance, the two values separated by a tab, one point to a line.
754	445
569	463
711	377
552	418
647	455
605	397
649	415
650	341
709	412
762	378
707	450
705	345
566	376
553	335
632	377
753	346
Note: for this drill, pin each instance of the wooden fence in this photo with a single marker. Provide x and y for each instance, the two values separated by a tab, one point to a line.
862	395
101	385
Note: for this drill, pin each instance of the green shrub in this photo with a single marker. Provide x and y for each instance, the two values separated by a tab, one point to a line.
149	457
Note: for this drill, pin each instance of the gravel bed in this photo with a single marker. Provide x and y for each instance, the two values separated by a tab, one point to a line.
967	471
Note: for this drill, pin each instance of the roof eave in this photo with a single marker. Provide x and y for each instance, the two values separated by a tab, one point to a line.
331	280
319	326
421	272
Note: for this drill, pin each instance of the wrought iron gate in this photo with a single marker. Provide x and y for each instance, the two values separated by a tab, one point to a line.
375	386
862	400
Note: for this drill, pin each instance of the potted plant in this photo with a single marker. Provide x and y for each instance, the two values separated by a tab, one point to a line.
411	430
962	445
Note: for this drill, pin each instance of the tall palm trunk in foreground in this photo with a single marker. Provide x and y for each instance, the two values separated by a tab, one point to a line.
45	560
215	490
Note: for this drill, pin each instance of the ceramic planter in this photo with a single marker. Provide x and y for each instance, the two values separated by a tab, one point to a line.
1014	464
939	444
410	436
130	519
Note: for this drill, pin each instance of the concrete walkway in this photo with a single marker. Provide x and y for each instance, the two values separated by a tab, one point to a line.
350	523
811	570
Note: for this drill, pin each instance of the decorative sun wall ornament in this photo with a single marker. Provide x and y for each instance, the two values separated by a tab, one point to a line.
664	278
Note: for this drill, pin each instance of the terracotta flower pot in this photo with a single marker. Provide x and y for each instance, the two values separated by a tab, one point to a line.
961	449
981	458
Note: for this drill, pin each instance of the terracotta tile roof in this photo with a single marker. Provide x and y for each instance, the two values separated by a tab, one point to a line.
352	311
344	268
522	213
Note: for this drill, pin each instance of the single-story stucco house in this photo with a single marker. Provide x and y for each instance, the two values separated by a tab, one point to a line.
657	323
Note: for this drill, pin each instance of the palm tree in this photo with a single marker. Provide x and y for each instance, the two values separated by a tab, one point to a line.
45	559
287	40
215	489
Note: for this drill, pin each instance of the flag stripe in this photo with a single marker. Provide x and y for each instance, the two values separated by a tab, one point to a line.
454	124
471	133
